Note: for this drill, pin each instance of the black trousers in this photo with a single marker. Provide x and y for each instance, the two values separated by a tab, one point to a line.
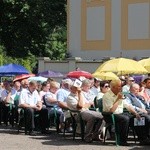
122	122
30	115
142	131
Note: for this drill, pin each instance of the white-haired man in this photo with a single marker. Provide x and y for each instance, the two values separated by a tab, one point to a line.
75	101
113	101
139	105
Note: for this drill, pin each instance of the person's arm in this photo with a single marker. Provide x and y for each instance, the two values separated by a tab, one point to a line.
22	101
25	105
39	105
137	109
6	96
62	105
52	100
61	100
131	110
80	103
116	103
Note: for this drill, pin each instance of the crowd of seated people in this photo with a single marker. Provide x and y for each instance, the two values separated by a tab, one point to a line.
52	98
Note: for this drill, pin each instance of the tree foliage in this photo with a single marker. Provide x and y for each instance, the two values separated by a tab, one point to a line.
28	62
33	27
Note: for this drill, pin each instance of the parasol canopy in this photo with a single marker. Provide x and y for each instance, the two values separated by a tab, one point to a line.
145	63
122	66
37	78
79	73
12	69
50	74
23	76
105	75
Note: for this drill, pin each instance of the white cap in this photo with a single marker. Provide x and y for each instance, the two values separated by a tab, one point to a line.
131	79
67	81
82	78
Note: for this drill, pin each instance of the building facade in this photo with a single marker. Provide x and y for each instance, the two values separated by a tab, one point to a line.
99	29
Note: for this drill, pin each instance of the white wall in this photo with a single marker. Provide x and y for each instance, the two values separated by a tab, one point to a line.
115	51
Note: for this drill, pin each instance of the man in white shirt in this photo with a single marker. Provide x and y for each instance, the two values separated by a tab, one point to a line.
139	105
31	102
113	102
75	101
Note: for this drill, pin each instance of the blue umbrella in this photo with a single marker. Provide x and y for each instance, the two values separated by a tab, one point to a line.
12	69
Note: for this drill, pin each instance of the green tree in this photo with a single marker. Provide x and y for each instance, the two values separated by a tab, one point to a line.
28	27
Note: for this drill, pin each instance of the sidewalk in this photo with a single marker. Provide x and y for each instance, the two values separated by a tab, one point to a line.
11	140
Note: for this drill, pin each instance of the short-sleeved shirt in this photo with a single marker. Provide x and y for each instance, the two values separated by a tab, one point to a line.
88	96
72	102
4	94
109	99
126	88
62	95
95	90
50	95
26	97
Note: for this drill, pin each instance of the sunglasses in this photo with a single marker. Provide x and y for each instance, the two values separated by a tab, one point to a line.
132	80
106	86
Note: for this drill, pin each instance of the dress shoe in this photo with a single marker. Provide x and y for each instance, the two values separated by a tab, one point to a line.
69	130
45	132
97	138
32	133
88	139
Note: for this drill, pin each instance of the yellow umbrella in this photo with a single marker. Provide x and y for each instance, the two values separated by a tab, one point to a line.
105	75
122	66
145	63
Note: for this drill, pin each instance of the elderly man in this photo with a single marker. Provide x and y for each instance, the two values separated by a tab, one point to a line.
113	102
31	102
139	105
75	101
63	93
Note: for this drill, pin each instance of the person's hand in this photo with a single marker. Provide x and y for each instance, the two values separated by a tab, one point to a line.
38	108
35	107
79	90
9	89
119	96
137	116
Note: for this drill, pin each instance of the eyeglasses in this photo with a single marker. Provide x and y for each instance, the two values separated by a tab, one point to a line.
106	86
132	80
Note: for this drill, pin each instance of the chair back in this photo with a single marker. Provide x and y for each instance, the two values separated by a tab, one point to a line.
98	104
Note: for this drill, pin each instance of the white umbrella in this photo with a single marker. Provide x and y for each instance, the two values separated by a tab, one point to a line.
37	78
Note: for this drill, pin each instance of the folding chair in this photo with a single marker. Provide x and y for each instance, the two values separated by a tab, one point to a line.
52	117
109	119
77	119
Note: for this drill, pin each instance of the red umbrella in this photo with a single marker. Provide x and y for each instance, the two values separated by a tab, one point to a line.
79	73
23	76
